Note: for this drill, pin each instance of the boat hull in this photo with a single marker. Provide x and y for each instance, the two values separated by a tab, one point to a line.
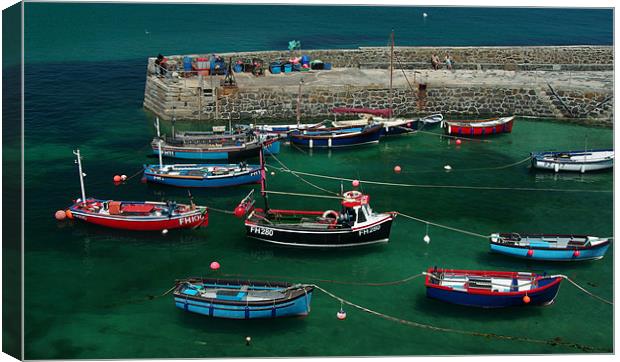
593	253
299	306
546	296
475	130
186	221
367	136
378	232
230	153
191	181
540	163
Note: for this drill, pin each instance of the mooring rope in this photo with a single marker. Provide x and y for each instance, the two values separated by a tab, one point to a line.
552	342
331	281
303	179
490	188
586	291
220	210
305	195
443	226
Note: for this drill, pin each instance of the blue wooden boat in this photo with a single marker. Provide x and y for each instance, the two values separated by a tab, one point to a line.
491	289
576	161
336	136
240	299
550	247
203	175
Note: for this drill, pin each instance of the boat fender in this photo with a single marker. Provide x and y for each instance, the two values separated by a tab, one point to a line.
556	167
331	214
495	238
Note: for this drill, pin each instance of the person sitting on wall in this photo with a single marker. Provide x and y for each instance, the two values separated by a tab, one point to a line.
434	61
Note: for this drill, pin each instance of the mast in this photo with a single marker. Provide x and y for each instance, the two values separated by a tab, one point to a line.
79	162
262	177
157	127
391	72
301	82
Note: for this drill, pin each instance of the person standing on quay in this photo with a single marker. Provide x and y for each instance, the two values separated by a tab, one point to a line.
448	62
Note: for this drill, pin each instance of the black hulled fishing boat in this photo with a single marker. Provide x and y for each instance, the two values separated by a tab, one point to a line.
354	225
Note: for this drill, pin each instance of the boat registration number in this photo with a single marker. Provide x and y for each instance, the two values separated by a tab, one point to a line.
369	230
261	230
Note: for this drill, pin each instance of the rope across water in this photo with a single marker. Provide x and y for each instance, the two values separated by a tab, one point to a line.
494	188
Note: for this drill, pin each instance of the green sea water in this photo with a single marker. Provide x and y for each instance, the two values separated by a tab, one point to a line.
87	289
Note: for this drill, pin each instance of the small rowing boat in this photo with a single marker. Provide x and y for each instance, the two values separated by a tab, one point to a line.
482	127
549	247
491	289
336	136
135	215
576	161
241	299
203	175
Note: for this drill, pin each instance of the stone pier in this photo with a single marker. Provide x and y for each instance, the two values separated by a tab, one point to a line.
574	84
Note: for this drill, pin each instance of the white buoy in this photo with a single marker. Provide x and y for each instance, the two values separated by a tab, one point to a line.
164	232
583	169
424	14
556	167
494	238
427	239
273	173
447	167
248	339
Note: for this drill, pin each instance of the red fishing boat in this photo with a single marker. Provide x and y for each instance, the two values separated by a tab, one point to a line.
135	215
480	127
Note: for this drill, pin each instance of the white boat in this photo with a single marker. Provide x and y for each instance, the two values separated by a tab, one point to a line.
391	126
576	161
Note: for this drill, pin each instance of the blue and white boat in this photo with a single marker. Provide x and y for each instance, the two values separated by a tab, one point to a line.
203	175
576	161
491	289
336	136
550	247
240	299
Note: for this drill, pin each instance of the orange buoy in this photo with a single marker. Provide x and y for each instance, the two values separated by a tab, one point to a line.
526	299
397	169
60	215
117	178
69	214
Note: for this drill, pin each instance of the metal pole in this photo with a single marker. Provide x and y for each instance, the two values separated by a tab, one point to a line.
391	73
157	127
160	156
79	162
301	82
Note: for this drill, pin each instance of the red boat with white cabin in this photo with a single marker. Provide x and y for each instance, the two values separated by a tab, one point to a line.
480	127
136	215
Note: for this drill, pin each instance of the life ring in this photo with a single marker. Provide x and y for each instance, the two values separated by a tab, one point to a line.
333	214
352	194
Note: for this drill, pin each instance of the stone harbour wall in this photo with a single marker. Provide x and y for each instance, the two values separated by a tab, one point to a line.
269	99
